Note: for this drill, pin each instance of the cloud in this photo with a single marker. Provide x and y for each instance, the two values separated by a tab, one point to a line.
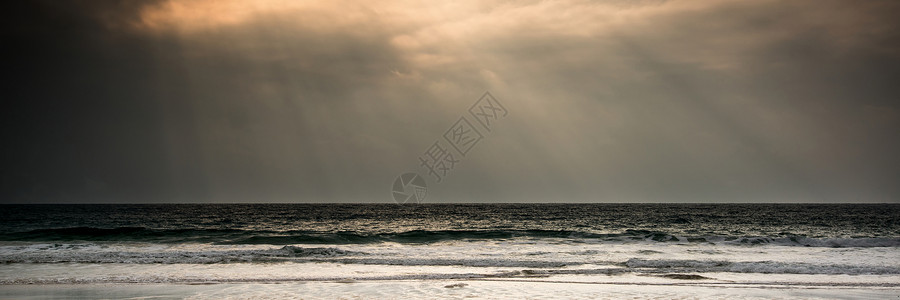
329	101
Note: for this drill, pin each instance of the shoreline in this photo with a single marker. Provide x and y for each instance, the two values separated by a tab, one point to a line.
484	288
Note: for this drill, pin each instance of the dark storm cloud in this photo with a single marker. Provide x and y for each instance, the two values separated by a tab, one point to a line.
78	116
304	101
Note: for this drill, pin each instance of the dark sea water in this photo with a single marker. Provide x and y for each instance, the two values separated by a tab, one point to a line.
632	243
816	224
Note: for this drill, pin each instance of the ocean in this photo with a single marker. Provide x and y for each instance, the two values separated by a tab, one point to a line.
480	250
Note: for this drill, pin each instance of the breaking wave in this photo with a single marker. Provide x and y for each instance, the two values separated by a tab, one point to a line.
93	253
268	237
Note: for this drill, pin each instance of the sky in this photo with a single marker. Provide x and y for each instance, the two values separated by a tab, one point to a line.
110	101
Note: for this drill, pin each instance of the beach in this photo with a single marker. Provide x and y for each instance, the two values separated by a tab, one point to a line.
452	251
438	289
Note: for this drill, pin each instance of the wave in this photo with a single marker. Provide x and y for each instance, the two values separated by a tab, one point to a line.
765	267
521	275
93	253
514	276
98	253
531	265
489	275
134	234
271	237
238	236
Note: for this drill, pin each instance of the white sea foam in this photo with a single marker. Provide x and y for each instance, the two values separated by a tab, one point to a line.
546	257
